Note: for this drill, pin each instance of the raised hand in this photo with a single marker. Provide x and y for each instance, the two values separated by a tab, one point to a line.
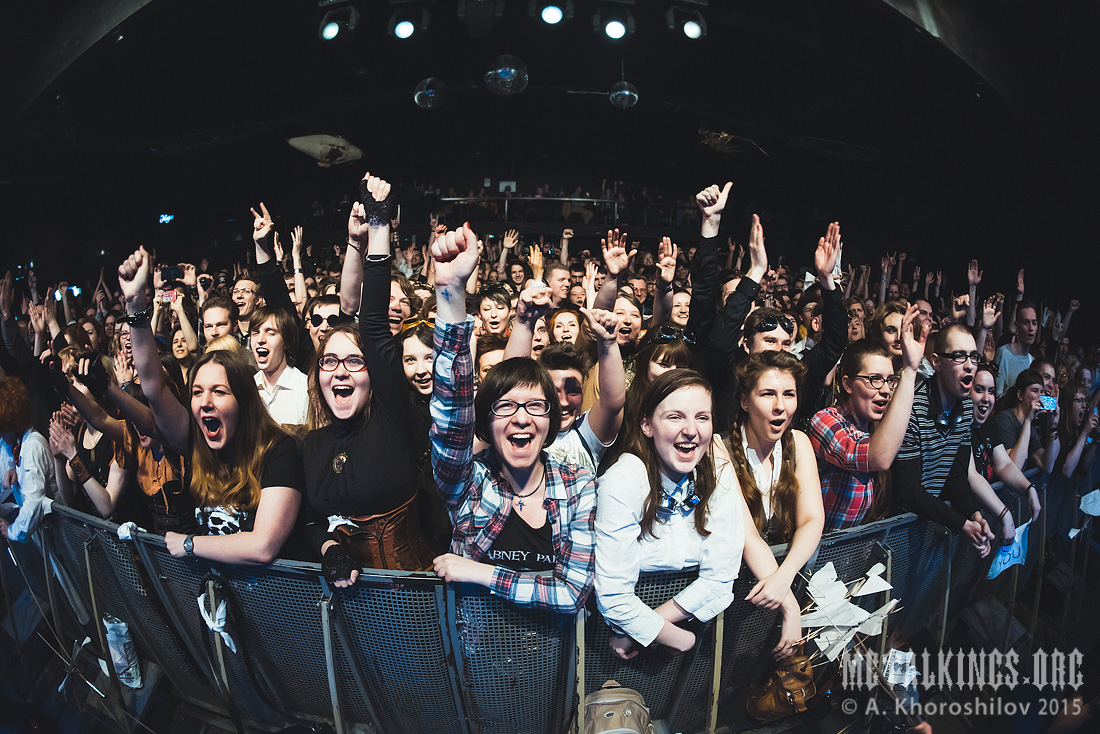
455	256
38	318
1020	281
262	225
605	324
828	247
902	256
433	222
123	367
534	259
758	256
511	239
991	311
894	258
1074	305
533	303
939	278
358	226
278	249
959	306
190	276
296	244
912	345
916	273
133	275
712	200
885	265
667	251
929	277
615	255
567	234
973	275
62	442
591	269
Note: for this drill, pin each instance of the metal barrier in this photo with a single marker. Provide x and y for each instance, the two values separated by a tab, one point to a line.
405	652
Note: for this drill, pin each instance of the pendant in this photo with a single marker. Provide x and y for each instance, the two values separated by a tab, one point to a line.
338	463
521	505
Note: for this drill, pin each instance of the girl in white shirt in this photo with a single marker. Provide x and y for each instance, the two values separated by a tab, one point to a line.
667	505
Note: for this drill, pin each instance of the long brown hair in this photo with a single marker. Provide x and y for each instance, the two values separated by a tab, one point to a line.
784	495
320	414
236	484
706	478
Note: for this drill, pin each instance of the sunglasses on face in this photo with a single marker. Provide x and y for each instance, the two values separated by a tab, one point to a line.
333	319
771	322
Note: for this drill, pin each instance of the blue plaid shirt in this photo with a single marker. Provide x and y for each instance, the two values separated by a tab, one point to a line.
478	497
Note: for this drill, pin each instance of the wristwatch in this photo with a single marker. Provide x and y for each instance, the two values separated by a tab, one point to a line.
189	545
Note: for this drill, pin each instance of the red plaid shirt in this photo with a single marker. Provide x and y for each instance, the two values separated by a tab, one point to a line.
843	463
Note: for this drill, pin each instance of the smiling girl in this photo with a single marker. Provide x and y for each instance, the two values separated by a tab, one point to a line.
666	505
515	508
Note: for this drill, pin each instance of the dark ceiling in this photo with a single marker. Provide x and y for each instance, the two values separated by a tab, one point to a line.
851	110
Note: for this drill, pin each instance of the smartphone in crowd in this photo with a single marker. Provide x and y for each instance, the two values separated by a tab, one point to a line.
1048	402
171	272
169	296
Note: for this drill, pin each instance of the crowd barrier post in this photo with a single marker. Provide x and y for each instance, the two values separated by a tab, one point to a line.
945	535
325	605
4	543
97	621
1040	565
716	676
579	727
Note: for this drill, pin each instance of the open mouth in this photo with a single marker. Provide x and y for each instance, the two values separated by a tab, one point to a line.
342	391
262	352
521	440
967	380
422	382
778	423
686	450
880	404
211	426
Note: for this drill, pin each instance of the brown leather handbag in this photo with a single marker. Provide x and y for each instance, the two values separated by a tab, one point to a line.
786	690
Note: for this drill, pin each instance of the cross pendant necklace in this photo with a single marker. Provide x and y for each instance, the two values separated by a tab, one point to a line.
521	497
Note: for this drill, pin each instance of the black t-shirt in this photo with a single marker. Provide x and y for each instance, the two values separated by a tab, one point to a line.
1005	428
282	468
983	439
521	547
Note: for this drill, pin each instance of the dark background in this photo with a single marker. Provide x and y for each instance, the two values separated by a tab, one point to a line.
854	113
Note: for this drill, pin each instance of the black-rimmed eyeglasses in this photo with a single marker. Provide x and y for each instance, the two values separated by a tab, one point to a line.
505	408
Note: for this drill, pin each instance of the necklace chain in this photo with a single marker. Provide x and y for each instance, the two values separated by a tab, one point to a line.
521	497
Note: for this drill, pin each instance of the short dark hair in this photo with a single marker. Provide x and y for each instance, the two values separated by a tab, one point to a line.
511	373
943	334
564	356
489	343
284	322
216	300
316	302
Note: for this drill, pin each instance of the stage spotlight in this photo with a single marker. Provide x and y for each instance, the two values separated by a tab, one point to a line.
614	23
338	22
430	93
687	21
507	76
623	95
551	13
405	24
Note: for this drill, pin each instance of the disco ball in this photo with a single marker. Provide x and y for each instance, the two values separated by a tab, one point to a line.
430	93
623	95
507	76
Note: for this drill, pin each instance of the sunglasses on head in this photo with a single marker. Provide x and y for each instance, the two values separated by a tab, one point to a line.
413	324
772	322
666	334
332	319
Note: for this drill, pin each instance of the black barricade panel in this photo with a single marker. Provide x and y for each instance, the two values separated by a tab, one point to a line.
919	573
148	623
397	628
653	672
186	580
750	634
279	630
71	533
518	664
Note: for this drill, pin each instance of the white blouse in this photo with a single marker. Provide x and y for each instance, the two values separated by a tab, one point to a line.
621	554
765	480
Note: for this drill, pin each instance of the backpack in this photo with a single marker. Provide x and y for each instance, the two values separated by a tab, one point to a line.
616	710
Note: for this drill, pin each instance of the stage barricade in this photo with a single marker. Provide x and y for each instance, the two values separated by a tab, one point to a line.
405	652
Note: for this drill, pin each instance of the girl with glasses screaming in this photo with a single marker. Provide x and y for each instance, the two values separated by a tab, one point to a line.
360	454
515	508
852	461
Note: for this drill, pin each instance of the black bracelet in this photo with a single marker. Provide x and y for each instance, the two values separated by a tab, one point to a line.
141	317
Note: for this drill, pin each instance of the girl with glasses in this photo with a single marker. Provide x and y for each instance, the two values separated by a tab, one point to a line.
360	453
667	504
515	508
852	461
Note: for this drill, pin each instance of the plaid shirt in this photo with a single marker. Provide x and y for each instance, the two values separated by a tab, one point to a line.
479	499
843	463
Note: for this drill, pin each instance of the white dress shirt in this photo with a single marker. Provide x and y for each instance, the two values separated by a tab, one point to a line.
288	399
34	484
621	555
